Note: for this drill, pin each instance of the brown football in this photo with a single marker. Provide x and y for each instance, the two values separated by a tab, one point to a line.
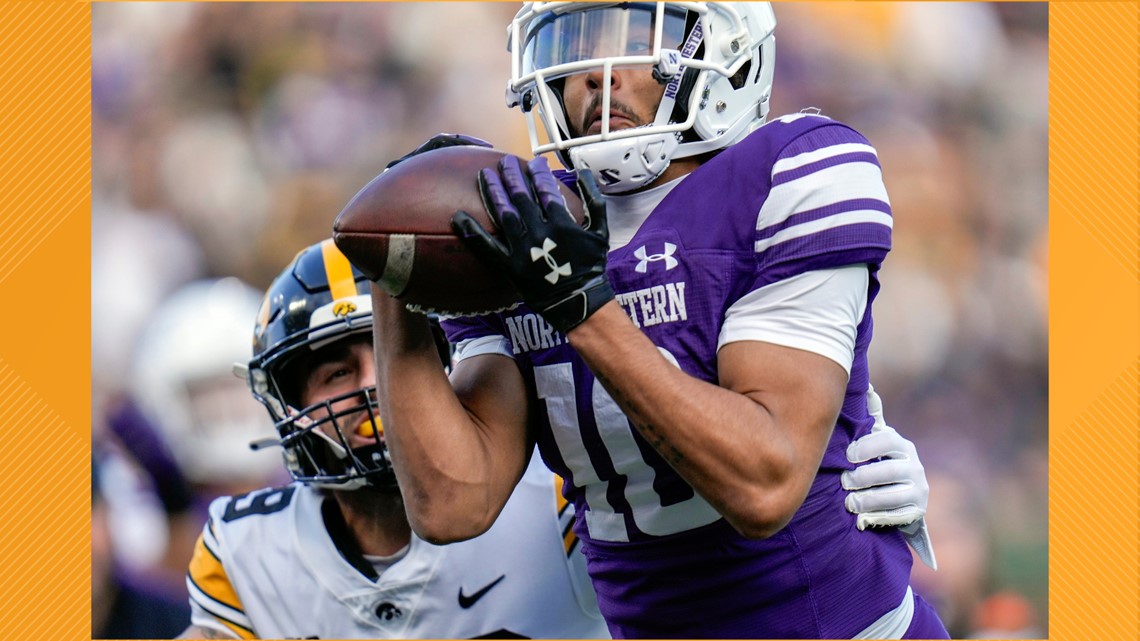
397	231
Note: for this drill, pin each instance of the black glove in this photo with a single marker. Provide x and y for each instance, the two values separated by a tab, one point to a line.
439	141
558	266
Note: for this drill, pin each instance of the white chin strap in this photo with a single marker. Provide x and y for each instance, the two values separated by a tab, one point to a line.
626	164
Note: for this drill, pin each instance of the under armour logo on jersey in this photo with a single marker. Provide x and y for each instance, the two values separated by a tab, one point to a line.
645	259
556	271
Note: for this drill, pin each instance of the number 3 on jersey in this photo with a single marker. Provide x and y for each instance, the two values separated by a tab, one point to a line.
555	385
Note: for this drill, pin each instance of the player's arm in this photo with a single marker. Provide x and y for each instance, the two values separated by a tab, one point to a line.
458	446
750	446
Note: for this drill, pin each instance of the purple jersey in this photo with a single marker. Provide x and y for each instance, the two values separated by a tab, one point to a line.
801	193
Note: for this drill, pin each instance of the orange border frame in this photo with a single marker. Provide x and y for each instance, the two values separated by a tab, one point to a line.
1094	317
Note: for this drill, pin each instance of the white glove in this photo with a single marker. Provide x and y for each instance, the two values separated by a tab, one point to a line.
892	490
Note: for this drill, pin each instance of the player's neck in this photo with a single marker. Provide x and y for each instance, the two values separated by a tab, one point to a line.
376	519
676	169
680	167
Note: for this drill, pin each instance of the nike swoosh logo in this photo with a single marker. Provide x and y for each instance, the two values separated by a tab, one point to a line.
468	601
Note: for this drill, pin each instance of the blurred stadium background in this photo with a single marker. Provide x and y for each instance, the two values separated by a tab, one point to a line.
225	137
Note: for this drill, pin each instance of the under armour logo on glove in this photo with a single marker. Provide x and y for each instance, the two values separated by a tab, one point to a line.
556	270
526	203
645	259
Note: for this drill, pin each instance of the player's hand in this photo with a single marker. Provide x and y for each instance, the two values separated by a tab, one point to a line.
888	487
557	265
439	141
889	490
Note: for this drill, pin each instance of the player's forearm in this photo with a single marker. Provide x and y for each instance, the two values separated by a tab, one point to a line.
449	471
731	449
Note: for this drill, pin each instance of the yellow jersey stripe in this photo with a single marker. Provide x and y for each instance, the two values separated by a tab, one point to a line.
569	538
234	620
559	500
339	270
207	572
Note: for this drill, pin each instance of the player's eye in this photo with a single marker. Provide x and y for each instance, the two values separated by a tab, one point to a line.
639	47
327	375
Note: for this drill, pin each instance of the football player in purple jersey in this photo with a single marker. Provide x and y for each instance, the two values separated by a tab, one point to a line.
692	360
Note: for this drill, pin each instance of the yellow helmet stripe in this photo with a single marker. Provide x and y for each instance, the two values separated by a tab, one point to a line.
339	271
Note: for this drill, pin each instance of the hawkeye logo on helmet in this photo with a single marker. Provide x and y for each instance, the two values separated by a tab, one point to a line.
343	308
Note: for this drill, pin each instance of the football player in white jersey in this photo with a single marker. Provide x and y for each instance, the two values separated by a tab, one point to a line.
332	555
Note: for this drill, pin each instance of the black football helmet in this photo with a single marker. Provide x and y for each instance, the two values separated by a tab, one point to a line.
319	299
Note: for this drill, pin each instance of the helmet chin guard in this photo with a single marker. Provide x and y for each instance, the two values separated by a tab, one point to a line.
626	164
714	61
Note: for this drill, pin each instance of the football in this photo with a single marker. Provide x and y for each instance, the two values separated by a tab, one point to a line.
397	232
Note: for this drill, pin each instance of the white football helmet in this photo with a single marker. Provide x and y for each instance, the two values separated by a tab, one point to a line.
714	61
182	380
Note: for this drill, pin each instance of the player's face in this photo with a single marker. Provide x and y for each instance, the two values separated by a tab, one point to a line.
634	94
338	369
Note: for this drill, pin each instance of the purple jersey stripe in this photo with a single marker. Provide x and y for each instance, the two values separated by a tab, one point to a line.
465	328
837	247
872	236
831	133
811	168
856	204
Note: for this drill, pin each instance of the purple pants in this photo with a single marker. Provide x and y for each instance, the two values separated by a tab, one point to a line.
925	623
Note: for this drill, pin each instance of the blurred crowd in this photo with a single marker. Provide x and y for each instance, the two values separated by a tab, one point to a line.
227	136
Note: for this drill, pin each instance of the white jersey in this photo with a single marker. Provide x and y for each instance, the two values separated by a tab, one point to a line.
267	567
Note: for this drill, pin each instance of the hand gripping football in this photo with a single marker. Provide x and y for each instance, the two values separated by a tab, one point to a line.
397	232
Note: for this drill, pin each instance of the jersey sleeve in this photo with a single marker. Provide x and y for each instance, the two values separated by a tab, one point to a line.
214	604
818	311
477	335
827	206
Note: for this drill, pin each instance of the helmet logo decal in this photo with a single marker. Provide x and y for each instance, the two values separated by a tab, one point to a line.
556	270
343	308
